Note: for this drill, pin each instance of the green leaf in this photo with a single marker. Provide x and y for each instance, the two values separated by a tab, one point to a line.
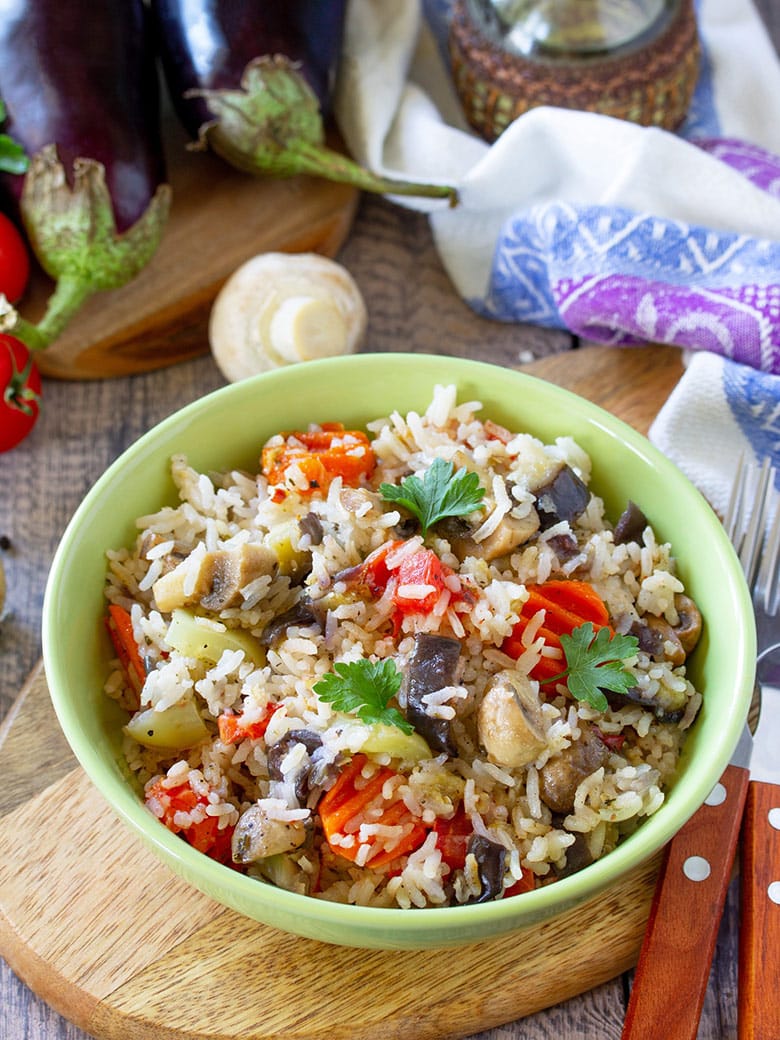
441	493
595	663
365	689
13	158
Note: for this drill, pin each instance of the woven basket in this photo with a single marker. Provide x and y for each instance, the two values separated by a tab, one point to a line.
651	83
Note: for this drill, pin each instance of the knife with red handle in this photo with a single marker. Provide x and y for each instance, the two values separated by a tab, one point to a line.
759	934
671	976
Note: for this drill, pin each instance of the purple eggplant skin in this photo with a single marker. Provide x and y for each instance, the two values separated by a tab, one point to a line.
81	74
207	44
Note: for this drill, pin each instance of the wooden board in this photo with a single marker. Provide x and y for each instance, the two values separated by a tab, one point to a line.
219	218
103	932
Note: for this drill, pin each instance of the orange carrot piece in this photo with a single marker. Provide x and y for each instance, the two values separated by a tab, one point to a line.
321	455
204	835
343	802
567	605
233	729
120	628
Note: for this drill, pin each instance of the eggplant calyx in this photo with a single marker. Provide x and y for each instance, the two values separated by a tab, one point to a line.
72	231
272	126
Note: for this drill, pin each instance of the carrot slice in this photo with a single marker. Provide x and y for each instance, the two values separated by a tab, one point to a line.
320	456
204	835
344	803
567	605
233	729
120	628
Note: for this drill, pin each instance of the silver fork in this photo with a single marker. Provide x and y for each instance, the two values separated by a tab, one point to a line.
756	536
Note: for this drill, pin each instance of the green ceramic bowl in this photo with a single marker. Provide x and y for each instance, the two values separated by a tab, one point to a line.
227	429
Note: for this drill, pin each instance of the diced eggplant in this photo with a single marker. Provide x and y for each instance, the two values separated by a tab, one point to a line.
303	614
277	752
491	862
634	695
432	666
578	856
564	498
310	525
630	525
564	546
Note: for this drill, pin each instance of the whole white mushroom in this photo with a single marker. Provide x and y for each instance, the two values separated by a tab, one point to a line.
282	308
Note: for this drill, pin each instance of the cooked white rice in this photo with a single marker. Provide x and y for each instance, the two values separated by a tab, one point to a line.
638	738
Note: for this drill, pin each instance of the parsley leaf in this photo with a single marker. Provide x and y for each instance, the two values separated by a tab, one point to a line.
595	663
365	688
12	156
441	492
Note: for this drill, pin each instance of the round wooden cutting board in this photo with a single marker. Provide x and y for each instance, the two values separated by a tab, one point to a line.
112	940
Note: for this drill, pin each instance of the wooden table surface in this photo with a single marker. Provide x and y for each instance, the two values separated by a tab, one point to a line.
85	425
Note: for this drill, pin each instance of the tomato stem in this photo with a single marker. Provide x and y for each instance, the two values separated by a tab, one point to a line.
16	393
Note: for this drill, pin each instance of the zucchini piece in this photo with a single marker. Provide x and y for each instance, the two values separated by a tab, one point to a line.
177	727
195	636
390	740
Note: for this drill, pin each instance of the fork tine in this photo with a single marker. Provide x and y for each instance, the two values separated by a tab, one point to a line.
750	553
768	581
734	517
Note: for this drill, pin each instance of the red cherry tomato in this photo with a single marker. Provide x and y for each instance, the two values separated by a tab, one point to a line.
14	261
20	392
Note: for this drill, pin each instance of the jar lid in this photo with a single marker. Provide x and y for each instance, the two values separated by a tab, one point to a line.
635	60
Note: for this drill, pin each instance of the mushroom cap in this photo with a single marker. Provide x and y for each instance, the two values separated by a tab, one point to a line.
283	308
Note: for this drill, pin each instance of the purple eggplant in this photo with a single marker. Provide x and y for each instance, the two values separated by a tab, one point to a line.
252	80
207	45
79	87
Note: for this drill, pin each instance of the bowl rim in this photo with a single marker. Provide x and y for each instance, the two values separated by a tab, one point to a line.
237	889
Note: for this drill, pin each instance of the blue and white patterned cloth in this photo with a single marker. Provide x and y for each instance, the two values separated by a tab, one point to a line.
621	234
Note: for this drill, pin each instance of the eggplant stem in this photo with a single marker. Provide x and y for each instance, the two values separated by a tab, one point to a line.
69	294
325	162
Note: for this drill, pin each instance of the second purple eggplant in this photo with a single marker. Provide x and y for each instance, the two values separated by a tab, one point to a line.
253	81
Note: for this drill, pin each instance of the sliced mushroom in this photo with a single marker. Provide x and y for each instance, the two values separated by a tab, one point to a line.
259	834
565	497
665	642
281	308
560	777
509	721
658	639
689	624
432	666
509	534
220	577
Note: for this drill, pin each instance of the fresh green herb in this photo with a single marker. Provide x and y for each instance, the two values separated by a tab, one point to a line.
365	688
441	492
12	156
595	663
